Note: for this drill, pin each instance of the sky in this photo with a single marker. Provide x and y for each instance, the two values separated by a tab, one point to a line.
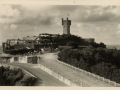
87	21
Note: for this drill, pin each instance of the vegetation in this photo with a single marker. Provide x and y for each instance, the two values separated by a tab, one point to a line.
74	41
28	81
11	77
63	39
101	61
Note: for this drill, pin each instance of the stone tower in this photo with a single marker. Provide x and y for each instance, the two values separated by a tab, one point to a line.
66	26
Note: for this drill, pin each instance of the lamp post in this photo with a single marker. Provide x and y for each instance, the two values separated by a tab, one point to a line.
79	82
40	60
51	45
1	63
78	72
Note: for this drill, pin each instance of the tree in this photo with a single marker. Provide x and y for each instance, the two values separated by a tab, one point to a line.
73	44
83	64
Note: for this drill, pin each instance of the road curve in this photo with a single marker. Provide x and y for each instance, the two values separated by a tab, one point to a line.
50	60
44	79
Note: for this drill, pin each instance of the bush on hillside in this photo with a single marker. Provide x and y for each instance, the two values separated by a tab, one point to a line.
11	77
28	81
101	61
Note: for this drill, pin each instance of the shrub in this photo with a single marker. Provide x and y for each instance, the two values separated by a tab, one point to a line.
12	77
28	81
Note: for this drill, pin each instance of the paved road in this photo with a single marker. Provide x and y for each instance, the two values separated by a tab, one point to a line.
50	60
47	80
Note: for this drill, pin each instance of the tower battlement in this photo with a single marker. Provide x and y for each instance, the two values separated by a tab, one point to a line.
66	26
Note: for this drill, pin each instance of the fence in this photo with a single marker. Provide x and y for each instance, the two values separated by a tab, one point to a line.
60	76
92	74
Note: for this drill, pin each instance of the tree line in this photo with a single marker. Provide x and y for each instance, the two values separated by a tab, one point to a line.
101	61
15	77
75	41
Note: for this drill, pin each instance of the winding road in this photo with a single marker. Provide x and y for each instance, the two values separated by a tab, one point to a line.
44	79
49	59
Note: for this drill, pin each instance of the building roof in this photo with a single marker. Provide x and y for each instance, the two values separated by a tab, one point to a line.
30	38
11	39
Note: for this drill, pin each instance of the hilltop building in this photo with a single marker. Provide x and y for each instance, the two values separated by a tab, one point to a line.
43	40
66	26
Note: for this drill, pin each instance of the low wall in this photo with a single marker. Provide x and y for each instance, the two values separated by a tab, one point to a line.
55	73
92	74
24	59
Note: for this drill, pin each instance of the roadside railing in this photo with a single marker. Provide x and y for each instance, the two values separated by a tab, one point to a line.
91	74
60	76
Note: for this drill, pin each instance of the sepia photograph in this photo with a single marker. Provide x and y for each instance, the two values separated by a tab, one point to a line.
60	45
